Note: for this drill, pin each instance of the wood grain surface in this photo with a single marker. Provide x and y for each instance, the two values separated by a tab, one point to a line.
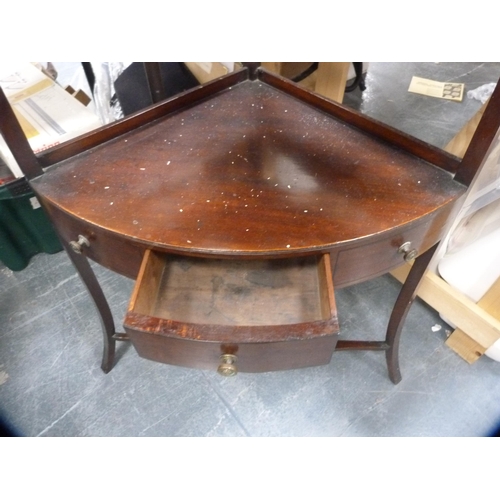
248	171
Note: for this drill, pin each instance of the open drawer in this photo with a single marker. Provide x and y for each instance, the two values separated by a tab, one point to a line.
230	315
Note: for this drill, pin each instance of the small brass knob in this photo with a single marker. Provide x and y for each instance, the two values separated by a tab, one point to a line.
77	246
227	367
408	253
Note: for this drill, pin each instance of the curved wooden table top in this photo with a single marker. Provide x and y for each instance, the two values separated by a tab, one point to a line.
247	170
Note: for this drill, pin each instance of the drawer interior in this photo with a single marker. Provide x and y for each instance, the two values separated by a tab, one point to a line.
235	292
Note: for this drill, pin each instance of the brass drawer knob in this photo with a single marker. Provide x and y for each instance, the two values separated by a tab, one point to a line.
77	246
408	253
227	367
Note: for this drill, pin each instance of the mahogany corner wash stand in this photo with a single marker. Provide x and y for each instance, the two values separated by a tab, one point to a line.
238	207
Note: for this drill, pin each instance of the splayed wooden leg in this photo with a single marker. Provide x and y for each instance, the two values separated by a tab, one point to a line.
88	277
402	306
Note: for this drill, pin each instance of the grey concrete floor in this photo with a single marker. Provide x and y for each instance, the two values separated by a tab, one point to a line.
50	341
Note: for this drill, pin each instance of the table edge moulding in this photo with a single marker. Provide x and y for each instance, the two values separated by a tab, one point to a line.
239	207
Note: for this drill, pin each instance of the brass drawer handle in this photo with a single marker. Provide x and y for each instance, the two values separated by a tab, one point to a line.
408	253
77	246
227	368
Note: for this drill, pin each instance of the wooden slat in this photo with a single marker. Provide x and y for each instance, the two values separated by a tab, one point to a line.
145	291
327	295
331	80
459	144
206	72
490	302
461	342
466	347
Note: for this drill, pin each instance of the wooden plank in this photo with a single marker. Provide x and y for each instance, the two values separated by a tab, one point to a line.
461	342
470	317
206	71
466	347
146	286
331	80
490	302
326	290
459	144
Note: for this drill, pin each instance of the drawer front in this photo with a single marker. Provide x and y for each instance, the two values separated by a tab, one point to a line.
111	251
250	357
362	262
